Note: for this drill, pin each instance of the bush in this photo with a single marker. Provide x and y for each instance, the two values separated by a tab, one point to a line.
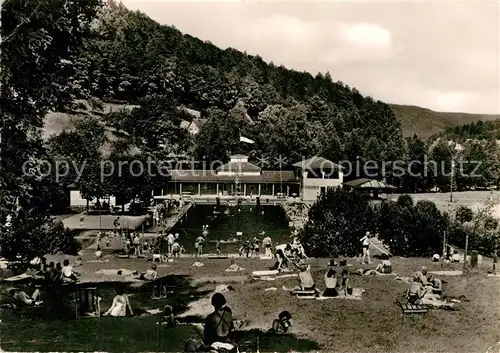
464	214
412	230
337	221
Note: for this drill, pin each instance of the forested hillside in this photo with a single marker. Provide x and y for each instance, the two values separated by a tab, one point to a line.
480	130
130	57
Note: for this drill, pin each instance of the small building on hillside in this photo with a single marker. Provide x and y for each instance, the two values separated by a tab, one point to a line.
238	177
317	175
194	126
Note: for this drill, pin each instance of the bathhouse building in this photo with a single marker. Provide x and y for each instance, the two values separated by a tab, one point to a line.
238	177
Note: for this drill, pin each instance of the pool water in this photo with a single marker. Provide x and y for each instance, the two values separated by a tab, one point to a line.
224	224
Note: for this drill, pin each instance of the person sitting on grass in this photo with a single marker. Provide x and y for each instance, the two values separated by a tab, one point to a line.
149	275
436	283
422	276
282	324
49	274
331	282
120	304
57	274
219	324
68	274
234	267
416	292
385	266
20	298
168	318
345	285
305	278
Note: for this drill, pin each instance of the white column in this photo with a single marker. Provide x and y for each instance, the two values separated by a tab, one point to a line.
199	189
180	188
273	190
217	189
244	189
259	189
162	192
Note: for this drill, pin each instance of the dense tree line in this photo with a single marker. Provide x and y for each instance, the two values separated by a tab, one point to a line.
479	130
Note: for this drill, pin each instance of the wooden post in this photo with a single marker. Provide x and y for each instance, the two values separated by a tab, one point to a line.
465	252
444	249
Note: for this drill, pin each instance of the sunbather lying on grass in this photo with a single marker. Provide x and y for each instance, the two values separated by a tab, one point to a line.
20	298
149	275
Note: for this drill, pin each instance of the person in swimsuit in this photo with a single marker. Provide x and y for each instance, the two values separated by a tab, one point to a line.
366	247
120	305
219	324
331	282
282	324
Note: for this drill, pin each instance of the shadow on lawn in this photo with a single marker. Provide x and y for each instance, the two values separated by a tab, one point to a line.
54	327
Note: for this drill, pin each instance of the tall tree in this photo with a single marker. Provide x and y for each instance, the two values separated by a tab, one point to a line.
40	40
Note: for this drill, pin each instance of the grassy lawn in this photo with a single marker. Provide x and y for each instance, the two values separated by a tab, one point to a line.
373	324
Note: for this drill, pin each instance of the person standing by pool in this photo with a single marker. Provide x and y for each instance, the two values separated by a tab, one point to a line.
256	247
267	243
170	243
116	223
199	245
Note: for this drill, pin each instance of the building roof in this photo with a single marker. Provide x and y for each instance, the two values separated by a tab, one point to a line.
318	163
185	124
204	176
369	184
199	122
239	156
239	167
193	113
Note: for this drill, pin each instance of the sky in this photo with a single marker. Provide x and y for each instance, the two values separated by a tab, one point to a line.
444	56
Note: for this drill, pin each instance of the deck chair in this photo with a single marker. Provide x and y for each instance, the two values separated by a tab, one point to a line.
409	309
305	294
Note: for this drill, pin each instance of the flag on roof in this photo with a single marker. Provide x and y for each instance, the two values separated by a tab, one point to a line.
247	140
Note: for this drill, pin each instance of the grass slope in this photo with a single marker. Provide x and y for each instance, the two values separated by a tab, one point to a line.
373	324
425	122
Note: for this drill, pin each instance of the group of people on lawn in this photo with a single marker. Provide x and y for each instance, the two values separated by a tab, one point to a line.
422	284
47	273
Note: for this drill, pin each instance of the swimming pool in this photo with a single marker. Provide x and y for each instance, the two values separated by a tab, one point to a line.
225	221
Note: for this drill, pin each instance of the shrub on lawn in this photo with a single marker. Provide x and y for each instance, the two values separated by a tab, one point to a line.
337	221
412	230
